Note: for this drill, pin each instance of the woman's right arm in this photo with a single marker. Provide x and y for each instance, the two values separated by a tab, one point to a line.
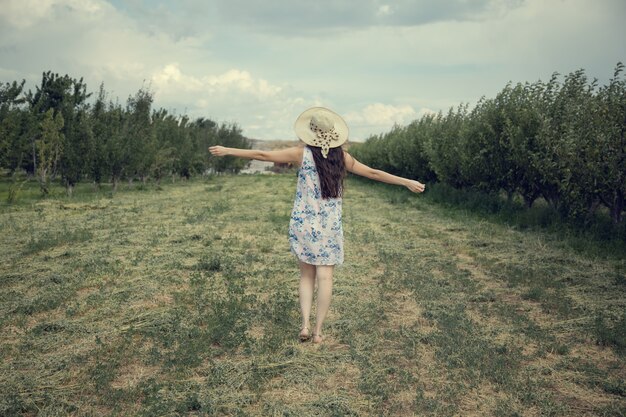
363	170
293	154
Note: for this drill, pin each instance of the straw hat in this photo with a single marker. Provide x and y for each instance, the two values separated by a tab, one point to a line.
321	127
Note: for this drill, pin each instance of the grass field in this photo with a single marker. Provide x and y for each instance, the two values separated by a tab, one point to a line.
183	301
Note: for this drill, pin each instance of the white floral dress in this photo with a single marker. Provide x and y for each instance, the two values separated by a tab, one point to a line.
315	230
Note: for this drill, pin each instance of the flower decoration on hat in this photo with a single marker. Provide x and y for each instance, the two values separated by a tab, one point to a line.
324	133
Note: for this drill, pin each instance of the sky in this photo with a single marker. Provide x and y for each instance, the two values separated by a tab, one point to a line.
261	63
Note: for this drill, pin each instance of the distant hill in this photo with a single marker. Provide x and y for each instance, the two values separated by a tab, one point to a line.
272	145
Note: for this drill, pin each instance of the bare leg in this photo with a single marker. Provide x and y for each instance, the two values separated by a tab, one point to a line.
324	294
307	286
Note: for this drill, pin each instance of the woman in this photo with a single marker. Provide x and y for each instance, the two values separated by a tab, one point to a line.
315	228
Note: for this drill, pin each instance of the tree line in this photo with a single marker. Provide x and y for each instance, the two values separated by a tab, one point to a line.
561	141
61	131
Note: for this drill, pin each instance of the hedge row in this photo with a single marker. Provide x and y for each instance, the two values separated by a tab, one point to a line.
56	131
561	140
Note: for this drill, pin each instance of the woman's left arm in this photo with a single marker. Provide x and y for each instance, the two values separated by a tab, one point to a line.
293	154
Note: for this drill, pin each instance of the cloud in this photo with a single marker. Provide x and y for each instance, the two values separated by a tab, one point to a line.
379	114
170	82
231	81
262	109
384	10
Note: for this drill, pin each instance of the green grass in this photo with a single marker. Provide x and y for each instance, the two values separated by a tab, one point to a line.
183	300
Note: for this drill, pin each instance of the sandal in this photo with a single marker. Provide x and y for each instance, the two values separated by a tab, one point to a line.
315	336
304	336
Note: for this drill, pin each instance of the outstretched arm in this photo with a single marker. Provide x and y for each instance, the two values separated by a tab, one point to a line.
363	170
293	154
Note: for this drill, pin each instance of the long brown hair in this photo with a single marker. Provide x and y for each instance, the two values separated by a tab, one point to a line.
331	171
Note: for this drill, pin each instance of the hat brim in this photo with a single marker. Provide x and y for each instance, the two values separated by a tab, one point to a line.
305	134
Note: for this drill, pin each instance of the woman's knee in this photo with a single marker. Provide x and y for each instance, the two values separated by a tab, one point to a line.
325	272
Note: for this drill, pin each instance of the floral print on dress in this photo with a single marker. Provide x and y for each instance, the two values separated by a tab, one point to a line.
315	229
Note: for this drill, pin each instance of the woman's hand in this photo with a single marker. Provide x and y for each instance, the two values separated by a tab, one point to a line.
218	150
415	186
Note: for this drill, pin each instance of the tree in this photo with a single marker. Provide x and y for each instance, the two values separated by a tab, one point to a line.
521	131
568	136
419	133
100	129
115	143
79	143
13	147
444	149
202	134
483	152
611	145
49	147
79	148
171	139
140	146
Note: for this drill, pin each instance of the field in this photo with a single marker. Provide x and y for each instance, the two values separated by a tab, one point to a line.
183	301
